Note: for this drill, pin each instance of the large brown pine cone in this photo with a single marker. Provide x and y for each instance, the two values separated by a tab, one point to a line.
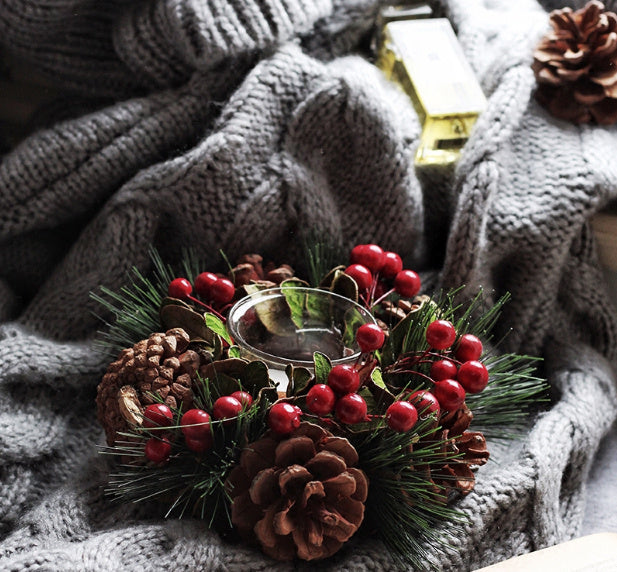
161	364
576	65
299	495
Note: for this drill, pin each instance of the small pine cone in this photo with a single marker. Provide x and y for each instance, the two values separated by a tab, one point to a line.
161	364
247	269
574	65
299	495
470	448
278	275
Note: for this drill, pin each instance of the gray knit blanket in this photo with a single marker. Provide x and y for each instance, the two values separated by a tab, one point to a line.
248	126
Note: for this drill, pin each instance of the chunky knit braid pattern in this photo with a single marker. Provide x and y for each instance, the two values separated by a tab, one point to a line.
250	126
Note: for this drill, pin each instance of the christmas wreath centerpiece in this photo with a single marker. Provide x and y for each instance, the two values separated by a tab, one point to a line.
296	414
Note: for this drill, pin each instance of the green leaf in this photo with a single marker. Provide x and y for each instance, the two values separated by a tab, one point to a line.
214	323
296	301
345	286
322	367
383	397
328	279
255	376
176	314
276	316
378	379
234	352
301	378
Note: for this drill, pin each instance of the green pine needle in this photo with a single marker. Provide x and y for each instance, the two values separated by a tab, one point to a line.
135	307
402	505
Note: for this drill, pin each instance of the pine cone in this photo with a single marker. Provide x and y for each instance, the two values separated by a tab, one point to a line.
250	269
161	364
470	448
299	496
575	65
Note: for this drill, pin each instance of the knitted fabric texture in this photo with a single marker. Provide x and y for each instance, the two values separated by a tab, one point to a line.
249	126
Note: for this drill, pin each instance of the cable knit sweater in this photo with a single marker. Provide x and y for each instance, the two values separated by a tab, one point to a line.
249	125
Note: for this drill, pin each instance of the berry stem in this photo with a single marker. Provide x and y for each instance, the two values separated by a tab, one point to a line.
381	298
208	307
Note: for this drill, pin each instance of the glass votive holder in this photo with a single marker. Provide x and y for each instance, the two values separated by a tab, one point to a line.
282	326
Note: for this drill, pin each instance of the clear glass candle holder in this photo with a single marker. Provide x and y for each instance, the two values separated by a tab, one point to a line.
265	327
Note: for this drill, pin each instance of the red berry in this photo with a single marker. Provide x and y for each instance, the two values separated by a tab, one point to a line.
407	283
392	264
157	415
469	347
243	397
449	393
370	337
473	376
351	408
344	378
369	255
361	274
195	424
440	334
226	407
426	403
199	445
179	288
443	369
283	418
203	283
298	410
401	416
320	399
222	291
157	450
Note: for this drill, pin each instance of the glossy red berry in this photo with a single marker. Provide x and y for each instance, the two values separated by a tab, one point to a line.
401	416
449	393
440	334
195	424
320	399
203	283
344	378
443	369
469	347
369	255
392	264
425	402
351	408
222	291
361	274
157	450
157	415
283	418
199	445
370	337
407	283
179	288
243	397
226	407
473	376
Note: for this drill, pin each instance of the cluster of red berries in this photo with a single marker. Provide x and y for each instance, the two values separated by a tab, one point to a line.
214	290
453	378
371	266
453	375
338	395
194	424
